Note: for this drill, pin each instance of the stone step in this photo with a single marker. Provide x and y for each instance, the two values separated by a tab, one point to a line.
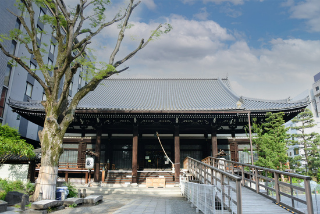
70	201
92	199
45	204
141	190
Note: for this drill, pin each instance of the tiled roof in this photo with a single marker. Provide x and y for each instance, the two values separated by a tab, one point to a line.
170	95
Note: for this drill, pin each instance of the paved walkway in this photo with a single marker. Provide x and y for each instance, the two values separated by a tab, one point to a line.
119	203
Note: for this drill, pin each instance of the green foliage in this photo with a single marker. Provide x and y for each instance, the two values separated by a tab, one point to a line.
271	141
30	187
72	190
3	195
157	33
309	141
73	205
12	144
7	186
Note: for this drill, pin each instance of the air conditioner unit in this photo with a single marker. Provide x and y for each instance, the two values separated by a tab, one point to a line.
89	163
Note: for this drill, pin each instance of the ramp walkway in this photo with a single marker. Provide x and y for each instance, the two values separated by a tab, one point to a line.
243	188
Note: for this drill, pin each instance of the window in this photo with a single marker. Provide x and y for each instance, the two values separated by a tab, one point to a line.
33	67
18	23
41	13
52	47
50	63
13	47
70	86
44	97
317	88
39	33
3	100
7	76
29	89
80	80
296	151
290	153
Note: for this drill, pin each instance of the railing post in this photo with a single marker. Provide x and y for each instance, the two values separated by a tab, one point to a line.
276	186
211	176
239	201
242	175
205	174
291	191
223	199
232	168
257	180
308	195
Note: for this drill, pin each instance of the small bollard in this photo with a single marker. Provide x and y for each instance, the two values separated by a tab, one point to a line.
79	193
23	202
63	196
84	193
40	196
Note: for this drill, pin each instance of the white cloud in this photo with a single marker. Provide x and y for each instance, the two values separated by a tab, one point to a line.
202	49
308	10
230	12
235	2
202	15
150	4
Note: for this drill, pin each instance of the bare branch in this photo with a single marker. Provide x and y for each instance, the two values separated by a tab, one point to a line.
121	33
82	50
64	11
20	62
66	85
141	46
92	34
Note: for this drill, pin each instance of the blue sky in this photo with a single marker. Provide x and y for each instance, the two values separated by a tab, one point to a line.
269	49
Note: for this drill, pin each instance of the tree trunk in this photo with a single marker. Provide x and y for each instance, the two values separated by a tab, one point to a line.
51	149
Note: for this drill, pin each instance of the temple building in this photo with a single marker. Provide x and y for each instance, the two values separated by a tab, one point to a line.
118	122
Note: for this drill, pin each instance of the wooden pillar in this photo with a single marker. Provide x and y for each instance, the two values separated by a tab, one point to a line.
32	171
87	174
66	175
176	154
214	143
97	158
250	137
135	154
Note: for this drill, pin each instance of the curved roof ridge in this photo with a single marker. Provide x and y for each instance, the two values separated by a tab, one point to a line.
160	78
233	94
10	100
306	99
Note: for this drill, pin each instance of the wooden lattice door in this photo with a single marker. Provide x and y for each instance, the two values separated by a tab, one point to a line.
82	154
234	151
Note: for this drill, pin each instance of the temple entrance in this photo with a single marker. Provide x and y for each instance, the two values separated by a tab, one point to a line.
156	159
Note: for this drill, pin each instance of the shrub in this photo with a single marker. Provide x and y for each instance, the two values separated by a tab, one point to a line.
72	190
30	187
3	195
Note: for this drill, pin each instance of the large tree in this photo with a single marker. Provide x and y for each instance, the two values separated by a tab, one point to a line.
271	141
71	37
309	140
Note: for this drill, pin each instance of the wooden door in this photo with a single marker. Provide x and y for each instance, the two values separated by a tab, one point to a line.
82	154
234	151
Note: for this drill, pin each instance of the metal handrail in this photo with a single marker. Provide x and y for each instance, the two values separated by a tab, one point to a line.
254	176
203	172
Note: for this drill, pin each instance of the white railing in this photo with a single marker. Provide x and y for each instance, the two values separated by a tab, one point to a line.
216	191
